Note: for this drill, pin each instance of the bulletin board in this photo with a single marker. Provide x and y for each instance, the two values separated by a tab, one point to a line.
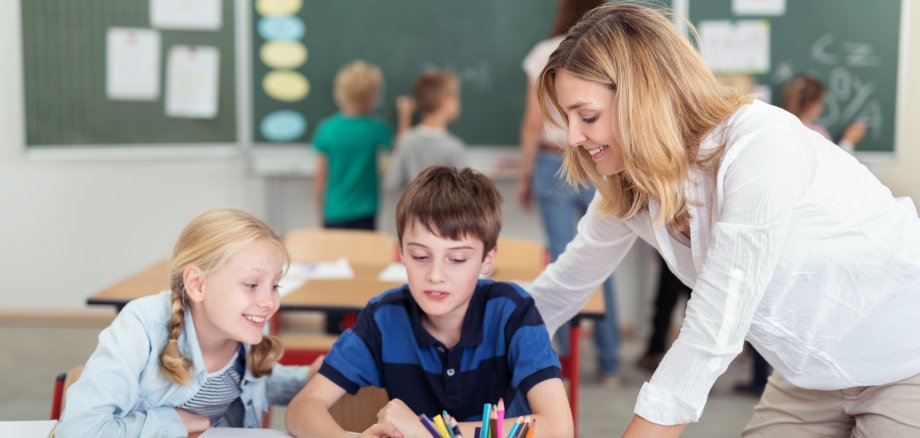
64	76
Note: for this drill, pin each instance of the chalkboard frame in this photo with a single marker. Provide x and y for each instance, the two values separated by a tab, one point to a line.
230	148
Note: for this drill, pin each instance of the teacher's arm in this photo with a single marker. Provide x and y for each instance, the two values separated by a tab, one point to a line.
762	180
566	285
531	132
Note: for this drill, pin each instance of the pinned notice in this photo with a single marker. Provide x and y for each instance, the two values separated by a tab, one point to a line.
759	7
132	64
185	14
736	46
192	82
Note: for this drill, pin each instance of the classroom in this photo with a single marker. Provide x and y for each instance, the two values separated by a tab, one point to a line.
682	218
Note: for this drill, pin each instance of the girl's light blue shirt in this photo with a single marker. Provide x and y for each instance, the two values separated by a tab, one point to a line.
123	393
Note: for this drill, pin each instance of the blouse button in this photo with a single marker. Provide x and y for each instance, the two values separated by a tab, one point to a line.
450	372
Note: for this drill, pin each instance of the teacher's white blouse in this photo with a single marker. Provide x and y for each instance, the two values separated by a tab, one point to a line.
795	246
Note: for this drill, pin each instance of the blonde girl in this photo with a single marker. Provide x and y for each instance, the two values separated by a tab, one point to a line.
786	240
194	356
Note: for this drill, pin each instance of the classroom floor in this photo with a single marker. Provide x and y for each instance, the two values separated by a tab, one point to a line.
32	356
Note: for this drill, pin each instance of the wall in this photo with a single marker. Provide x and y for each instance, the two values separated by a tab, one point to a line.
903	175
70	228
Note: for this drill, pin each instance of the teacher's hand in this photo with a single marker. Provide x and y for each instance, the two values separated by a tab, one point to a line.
525	194
641	428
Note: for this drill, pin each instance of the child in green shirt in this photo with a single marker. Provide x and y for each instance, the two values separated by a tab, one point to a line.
347	142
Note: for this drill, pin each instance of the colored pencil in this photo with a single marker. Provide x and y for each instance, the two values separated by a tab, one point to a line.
514	429
533	428
447	418
493	423
429	425
500	420
442	427
484	431
455	427
522	432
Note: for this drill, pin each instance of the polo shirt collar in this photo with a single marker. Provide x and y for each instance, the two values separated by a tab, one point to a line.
471	332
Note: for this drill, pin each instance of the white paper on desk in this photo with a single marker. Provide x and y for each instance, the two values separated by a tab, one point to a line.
291	281
394	273
741	46
27	429
186	14
192	81
132	64
233	432
335	270
759	7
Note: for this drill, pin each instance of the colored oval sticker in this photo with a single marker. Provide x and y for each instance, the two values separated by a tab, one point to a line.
286	86
281	28
278	7
282	126
283	54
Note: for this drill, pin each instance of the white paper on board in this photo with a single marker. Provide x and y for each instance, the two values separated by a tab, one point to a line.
192	81
132	64
185	14
741	46
759	7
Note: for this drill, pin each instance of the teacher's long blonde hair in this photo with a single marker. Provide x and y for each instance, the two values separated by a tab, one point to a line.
667	101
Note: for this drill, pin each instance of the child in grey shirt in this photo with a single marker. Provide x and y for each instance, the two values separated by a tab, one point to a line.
437	97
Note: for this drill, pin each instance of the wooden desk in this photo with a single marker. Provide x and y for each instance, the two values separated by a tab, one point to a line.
149	281
352	295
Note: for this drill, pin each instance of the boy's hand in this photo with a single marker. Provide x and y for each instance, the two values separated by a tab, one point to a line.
405	106
194	423
399	415
381	430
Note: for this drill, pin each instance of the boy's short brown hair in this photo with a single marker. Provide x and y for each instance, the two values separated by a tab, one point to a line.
431	87
356	85
452	204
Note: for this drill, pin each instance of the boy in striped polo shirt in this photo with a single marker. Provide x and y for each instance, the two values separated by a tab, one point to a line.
447	340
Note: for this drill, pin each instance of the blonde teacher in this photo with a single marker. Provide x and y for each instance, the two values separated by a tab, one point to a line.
787	241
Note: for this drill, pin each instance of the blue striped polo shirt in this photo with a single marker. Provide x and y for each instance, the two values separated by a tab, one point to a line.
504	350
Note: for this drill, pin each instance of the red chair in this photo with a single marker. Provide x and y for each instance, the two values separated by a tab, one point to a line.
61	383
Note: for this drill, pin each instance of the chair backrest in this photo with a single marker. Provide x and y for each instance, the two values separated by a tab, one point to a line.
521	256
61	384
358	412
369	248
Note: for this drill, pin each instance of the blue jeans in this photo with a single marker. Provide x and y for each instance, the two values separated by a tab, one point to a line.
561	206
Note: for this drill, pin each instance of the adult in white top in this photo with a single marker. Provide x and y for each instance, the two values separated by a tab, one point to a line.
559	205
786	240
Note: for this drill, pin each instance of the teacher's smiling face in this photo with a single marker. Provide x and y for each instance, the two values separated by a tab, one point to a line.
592	120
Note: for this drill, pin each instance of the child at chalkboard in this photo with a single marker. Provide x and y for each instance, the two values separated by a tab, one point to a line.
803	96
194	356
436	93
346	143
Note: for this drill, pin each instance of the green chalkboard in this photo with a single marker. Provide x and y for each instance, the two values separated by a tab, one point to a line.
482	41
64	74
852	45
